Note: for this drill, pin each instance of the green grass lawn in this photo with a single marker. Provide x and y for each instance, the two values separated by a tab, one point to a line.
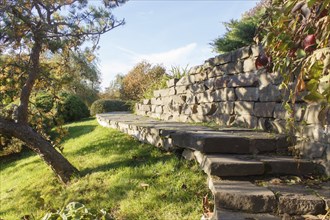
115	169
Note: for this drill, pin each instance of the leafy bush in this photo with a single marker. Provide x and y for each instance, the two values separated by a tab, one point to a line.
72	108
44	101
139	79
108	105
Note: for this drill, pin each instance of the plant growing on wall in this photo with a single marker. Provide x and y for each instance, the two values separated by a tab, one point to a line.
296	37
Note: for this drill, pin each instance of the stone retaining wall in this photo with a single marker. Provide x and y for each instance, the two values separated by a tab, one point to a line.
229	90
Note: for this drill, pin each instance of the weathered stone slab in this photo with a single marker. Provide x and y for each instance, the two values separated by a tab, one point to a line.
312	113
256	50
156	101
222	82
281	113
188	154
189	109
247	94
145	108
159	109
266	78
179	99
175	109
243	196
204	97
249	65
244	108
234	68
264	109
172	82
186	80
223	58
241	53
225	108
217	71
316	132
166	100
298	200
312	150
197	88
198	118
191	99
146	101
223	214
290	166
206	108
225	94
181	89
226	142
194	70
209	84
200	76
246	121
243	80
270	93
233	166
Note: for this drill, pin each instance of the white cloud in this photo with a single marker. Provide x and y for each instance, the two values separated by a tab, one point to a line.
190	54
168	58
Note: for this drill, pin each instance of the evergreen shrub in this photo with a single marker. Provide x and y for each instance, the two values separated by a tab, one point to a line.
108	105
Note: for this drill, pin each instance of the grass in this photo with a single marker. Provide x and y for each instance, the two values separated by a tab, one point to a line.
128	179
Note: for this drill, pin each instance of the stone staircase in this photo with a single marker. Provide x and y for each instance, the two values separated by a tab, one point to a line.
245	168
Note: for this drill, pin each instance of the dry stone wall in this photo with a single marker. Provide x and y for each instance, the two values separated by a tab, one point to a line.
229	90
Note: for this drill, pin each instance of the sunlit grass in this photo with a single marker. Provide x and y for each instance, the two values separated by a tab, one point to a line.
129	179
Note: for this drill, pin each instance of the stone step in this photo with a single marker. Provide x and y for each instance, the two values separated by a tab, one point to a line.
223	214
224	165
201	138
292	200
230	142
242	196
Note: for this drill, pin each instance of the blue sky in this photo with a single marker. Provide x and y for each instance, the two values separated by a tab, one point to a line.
169	32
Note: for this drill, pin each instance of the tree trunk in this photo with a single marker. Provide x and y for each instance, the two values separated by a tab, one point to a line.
61	166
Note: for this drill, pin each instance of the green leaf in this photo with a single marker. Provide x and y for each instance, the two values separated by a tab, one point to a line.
310	3
301	53
314	96
312	85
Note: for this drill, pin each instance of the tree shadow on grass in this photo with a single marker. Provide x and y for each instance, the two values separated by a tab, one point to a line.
129	162
79	130
13	159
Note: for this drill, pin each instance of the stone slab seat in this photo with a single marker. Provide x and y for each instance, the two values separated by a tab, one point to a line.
224	165
231	142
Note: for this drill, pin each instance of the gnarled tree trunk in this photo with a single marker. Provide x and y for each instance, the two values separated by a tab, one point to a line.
61	166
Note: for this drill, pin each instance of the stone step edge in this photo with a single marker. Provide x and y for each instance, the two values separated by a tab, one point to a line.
243	196
159	136
255	165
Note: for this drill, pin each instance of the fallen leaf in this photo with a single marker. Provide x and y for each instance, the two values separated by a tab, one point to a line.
144	185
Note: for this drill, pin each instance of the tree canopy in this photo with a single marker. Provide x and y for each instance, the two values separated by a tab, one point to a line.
240	33
35	30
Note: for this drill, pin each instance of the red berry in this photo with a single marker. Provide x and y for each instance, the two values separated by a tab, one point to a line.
309	43
261	61
292	52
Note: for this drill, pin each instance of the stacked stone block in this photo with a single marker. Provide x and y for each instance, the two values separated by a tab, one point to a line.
229	90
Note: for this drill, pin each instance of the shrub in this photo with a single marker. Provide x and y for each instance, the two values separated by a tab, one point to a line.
139	79
108	105
44	101
72	108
